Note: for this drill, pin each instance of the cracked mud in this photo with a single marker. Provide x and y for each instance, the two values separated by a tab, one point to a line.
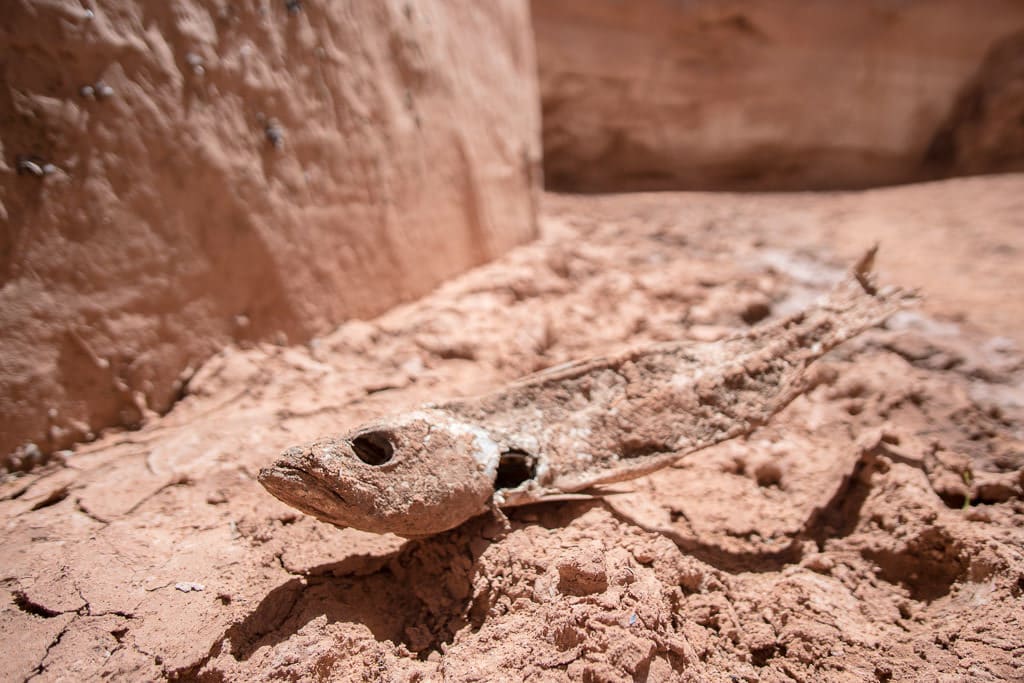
872	531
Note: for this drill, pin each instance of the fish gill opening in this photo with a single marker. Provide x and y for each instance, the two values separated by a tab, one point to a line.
514	467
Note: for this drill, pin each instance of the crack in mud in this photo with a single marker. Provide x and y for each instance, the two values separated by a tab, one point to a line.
41	668
181	480
80	506
54	497
26	604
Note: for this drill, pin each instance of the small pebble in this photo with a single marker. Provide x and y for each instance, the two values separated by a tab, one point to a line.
978	514
103	91
216	498
87	91
188	586
755	311
274	133
196	62
30	167
818	562
33	455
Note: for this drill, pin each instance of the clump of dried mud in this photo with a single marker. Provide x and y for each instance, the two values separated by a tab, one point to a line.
873	531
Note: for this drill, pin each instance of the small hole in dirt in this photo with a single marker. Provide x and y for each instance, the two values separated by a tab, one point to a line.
755	312
638	449
514	468
373	448
927	566
953	500
760	656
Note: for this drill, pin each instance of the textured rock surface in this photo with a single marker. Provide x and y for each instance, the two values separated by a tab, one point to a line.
733	94
215	171
872	531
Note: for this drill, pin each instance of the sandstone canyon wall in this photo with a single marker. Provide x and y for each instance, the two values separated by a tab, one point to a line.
175	176
734	94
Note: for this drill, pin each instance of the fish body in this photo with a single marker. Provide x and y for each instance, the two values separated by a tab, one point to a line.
568	429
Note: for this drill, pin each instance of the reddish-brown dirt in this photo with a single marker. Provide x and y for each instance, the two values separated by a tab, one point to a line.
872	531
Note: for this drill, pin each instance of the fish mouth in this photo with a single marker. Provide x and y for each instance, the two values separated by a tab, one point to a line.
304	491
283	477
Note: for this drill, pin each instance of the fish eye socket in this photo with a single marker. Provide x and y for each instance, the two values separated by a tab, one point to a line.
373	448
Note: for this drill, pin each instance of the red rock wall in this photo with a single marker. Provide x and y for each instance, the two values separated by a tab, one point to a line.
176	176
734	94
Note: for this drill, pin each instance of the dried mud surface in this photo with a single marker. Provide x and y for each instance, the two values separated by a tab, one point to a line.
872	531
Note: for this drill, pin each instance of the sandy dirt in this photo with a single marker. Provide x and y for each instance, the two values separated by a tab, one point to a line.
872	531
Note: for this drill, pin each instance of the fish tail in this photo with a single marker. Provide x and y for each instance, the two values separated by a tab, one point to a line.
855	305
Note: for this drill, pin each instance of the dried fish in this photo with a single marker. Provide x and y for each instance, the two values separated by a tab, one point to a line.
564	431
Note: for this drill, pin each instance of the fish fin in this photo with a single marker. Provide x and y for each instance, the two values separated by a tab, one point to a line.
863	278
499	515
562	497
605	492
521	498
863	270
595	493
568	369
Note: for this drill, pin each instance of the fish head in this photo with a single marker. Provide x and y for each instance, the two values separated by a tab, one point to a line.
413	475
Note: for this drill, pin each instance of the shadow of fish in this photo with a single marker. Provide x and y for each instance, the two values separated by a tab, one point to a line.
570	428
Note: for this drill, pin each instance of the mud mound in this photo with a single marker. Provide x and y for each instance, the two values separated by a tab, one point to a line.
871	532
